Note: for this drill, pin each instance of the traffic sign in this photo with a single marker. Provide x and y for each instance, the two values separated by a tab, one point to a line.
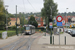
59	18
63	22
70	26
59	23
50	25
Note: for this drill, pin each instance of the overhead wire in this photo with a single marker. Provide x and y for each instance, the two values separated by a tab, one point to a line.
31	5
24	4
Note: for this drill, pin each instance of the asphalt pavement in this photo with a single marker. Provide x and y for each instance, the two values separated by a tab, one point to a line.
43	43
38	41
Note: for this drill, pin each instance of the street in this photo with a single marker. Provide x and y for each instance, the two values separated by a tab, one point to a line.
24	43
39	41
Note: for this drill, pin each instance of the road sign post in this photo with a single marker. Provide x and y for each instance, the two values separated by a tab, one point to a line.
51	26
59	23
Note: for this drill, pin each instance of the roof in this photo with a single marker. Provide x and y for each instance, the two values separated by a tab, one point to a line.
13	19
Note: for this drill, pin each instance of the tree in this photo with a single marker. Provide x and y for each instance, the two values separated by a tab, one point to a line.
2	15
32	21
22	19
49	6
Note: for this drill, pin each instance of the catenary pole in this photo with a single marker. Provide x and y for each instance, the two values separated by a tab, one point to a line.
16	21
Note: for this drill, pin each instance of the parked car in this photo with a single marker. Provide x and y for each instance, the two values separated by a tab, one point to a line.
72	32
69	31
57	33
65	30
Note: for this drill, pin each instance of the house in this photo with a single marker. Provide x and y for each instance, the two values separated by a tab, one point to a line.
13	22
39	21
65	19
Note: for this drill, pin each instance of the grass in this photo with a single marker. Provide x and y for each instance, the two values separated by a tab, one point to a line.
61	32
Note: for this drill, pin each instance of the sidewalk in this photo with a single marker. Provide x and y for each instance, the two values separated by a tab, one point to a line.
9	40
43	43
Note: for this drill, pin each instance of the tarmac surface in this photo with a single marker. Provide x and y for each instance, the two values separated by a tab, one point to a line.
43	42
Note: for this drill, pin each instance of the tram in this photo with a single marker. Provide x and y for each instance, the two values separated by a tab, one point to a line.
29	29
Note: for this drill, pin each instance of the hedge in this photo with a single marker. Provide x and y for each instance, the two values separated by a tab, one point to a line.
41	28
8	34
11	34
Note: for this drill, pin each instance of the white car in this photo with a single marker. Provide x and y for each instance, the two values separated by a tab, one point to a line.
69	31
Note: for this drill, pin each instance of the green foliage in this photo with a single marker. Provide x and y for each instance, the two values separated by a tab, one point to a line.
32	21
22	29
46	11
22	18
41	28
61	32
11	34
3	15
68	14
54	25
31	13
12	28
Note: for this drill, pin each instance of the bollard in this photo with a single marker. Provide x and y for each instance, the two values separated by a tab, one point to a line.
65	40
50	39
53	40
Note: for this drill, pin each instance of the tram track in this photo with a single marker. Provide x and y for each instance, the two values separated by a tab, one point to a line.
22	44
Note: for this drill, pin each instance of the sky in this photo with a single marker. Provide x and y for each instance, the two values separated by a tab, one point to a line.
27	6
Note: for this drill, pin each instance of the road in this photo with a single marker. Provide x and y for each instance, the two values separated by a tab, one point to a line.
24	43
39	41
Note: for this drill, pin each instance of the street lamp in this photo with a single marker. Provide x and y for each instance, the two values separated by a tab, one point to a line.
66	17
6	16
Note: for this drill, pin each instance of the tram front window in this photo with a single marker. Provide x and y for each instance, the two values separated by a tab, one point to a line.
27	28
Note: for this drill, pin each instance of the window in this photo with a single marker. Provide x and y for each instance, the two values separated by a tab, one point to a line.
10	23
15	23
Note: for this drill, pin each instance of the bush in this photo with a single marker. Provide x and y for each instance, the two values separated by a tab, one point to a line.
41	28
12	28
54	25
11	34
2	27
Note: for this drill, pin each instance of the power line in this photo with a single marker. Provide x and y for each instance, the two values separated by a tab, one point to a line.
23	4
32	5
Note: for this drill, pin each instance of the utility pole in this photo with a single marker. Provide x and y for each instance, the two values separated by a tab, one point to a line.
6	20
20	23
16	21
23	18
66	17
6	17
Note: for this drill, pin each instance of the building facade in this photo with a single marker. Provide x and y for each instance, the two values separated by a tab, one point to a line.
13	22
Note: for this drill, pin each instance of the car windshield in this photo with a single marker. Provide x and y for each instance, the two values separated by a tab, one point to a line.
73	30
69	29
